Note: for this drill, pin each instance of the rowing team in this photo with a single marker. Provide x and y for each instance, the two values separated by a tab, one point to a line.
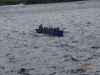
50	28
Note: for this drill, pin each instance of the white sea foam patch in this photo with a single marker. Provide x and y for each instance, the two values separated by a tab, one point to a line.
81	54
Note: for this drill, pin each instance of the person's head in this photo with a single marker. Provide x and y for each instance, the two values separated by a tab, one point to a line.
57	28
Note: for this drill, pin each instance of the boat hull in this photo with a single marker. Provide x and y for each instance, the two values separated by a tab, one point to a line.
48	32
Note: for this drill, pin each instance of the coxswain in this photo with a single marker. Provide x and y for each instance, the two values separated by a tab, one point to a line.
40	26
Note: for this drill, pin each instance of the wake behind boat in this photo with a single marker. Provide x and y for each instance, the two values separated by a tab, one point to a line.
50	31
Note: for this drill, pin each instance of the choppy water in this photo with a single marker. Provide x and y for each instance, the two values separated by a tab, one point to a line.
24	52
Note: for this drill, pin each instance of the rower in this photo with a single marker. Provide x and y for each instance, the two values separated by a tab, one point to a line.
58	28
